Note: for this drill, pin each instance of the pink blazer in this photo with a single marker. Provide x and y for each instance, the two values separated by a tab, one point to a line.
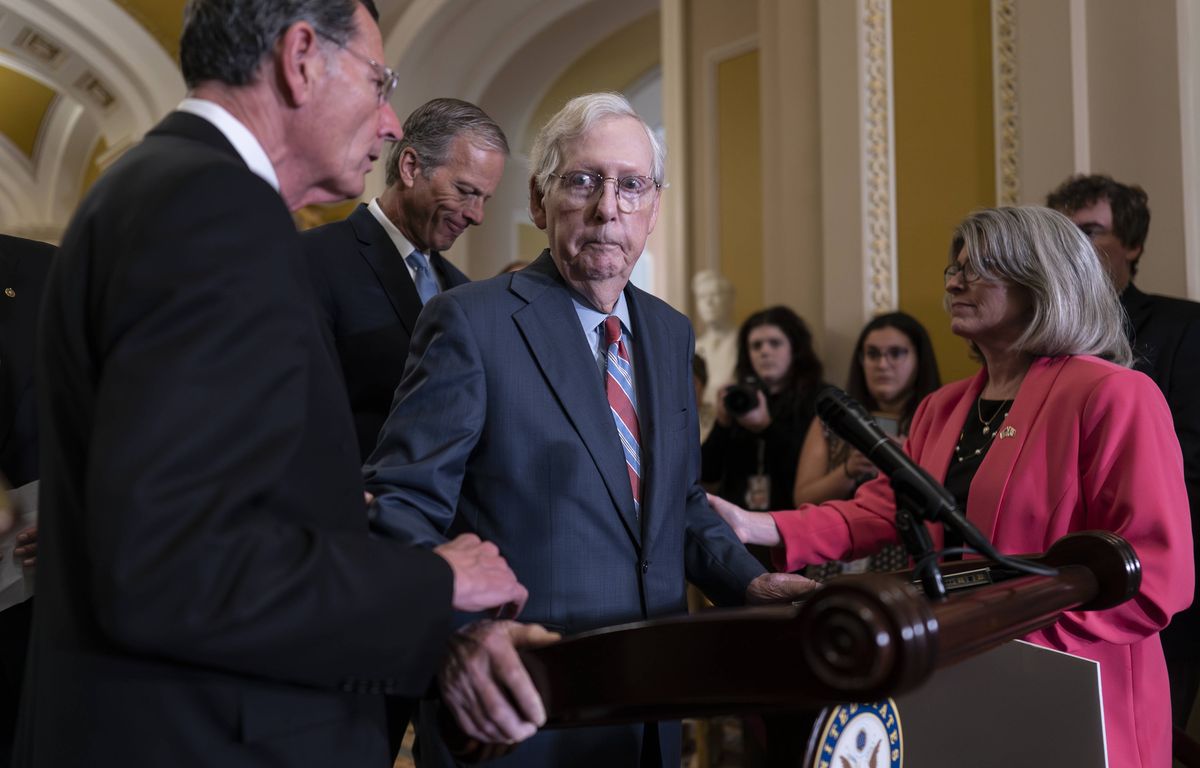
1094	448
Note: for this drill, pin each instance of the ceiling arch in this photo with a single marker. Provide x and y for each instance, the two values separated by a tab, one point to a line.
111	81
112	67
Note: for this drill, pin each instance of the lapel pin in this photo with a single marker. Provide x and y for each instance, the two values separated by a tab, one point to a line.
1007	432
10	293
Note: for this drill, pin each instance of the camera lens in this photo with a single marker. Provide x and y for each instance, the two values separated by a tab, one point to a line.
741	398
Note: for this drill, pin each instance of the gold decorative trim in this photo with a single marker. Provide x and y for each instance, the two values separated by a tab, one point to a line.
879	188
1004	55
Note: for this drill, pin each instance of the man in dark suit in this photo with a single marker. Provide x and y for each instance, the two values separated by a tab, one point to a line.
375	270
208	593
1165	333
23	267
552	411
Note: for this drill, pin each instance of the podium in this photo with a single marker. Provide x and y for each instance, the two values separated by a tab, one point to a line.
868	642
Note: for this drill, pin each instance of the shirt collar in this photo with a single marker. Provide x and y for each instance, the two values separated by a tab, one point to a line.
403	246
243	141
589	317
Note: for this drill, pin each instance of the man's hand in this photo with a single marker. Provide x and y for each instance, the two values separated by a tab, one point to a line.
482	579
26	549
485	685
779	588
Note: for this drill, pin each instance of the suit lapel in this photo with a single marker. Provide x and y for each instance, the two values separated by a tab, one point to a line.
446	272
987	493
550	327
378	250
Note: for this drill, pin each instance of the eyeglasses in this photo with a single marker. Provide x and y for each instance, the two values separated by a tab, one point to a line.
969	275
1092	231
877	354
632	191
386	79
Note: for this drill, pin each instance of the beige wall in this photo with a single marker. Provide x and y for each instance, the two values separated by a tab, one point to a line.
739	170
791	159
716	31
1100	91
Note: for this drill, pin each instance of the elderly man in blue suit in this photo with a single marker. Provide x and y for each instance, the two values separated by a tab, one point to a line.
552	412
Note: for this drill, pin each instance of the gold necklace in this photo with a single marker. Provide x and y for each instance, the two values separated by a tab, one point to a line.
987	425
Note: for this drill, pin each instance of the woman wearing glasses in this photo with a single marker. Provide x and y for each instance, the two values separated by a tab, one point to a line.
1054	434
892	371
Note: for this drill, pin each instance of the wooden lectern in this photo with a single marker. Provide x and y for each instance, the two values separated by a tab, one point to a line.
860	638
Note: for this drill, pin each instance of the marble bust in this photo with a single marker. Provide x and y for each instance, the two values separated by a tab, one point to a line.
717	342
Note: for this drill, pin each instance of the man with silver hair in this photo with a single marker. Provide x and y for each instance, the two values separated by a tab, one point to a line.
375	270
208	593
573	443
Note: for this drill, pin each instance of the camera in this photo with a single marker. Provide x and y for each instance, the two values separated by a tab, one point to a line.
742	397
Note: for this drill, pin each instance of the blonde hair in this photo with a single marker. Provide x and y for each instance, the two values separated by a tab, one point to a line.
1075	307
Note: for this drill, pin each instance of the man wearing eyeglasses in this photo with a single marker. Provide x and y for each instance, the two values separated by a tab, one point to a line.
552	411
375	270
208	593
1165	333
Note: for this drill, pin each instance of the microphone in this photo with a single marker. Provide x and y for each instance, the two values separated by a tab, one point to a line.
851	422
914	487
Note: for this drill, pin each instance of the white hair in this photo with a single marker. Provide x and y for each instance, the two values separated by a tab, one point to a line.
575	119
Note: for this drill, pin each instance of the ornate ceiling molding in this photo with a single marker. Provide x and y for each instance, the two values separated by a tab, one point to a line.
113	80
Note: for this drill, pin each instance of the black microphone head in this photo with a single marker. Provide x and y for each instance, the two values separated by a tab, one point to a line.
832	400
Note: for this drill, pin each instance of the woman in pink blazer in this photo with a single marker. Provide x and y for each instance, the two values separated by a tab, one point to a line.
1055	434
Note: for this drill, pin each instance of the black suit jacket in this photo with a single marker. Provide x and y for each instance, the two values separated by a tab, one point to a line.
207	590
371	307
23	267
1166	344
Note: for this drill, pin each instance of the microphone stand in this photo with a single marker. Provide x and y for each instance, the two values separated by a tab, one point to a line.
917	540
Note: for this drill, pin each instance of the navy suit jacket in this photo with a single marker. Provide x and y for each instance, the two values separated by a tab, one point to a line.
23	267
208	594
371	306
502	427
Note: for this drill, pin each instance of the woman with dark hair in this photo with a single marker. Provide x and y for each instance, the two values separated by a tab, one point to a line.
752	450
893	370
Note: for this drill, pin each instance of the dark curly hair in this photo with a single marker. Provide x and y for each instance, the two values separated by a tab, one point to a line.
805	370
1129	203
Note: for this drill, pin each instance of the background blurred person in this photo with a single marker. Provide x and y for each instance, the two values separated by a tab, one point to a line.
893	369
752	451
1054	434
1165	334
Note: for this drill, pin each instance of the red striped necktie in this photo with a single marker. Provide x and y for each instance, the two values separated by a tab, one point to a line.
618	384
